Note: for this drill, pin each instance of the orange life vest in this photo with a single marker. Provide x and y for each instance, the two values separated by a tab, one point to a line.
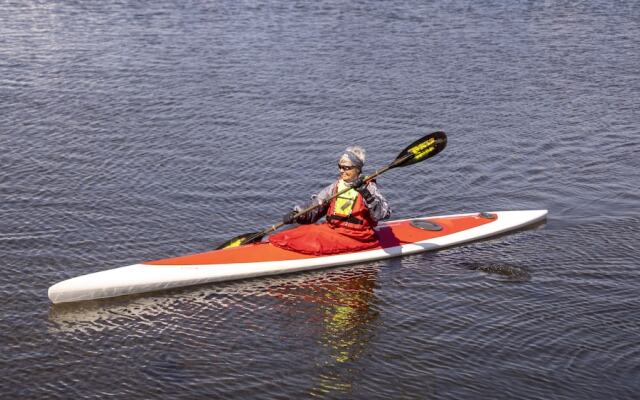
349	215
349	227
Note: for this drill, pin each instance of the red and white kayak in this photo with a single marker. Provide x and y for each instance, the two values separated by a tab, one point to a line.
400	237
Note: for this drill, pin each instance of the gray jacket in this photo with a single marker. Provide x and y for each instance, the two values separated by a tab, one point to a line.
378	208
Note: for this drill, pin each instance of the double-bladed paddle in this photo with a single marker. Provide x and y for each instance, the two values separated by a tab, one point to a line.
426	147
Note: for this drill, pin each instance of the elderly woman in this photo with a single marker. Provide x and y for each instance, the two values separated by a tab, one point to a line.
350	217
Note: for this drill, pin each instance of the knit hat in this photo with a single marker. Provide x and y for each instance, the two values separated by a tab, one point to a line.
353	155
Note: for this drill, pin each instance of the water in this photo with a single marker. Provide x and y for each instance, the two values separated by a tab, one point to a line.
140	131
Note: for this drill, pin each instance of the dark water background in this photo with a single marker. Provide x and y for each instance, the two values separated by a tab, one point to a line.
133	131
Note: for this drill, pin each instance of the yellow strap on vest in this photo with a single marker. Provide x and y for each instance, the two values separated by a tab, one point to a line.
346	201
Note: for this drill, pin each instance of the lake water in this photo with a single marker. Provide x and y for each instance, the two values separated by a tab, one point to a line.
134	131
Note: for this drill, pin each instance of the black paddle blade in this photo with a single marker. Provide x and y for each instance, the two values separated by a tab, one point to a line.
242	240
421	149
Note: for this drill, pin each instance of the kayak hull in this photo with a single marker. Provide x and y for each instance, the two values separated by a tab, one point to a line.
401	237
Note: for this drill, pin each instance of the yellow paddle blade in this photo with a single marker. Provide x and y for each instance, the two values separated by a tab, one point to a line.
423	148
241	240
235	243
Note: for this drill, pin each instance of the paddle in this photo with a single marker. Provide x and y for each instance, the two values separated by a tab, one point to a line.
420	150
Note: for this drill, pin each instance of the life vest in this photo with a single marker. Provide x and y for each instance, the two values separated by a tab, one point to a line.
349	228
348	214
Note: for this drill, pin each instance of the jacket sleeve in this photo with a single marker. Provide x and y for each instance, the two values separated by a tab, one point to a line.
378	206
317	213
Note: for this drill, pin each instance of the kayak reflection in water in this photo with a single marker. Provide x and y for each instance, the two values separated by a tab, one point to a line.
350	217
338	311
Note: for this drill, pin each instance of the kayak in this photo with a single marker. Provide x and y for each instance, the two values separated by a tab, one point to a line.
396	238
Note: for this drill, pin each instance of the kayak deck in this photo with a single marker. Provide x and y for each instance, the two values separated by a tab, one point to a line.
391	234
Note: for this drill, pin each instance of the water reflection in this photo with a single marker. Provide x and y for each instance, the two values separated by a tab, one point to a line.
346	305
501	271
337	306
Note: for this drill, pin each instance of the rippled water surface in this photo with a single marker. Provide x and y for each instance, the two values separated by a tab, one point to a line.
144	130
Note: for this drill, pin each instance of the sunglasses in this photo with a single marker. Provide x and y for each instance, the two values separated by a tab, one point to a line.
345	167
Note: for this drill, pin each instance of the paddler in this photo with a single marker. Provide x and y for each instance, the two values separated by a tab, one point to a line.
350	217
